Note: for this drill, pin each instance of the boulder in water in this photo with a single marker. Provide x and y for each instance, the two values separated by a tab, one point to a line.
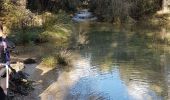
29	61
18	66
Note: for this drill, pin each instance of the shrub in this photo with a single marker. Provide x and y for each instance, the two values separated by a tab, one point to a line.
142	8
113	10
27	35
54	26
110	10
14	15
49	61
63	59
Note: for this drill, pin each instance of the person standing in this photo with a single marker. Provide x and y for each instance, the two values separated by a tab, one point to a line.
4	59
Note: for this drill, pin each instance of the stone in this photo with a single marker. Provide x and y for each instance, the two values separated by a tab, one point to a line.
29	61
18	66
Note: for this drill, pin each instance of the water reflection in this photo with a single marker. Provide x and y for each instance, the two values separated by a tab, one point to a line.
125	63
105	86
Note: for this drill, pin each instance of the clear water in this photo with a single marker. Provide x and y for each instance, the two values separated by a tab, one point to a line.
130	62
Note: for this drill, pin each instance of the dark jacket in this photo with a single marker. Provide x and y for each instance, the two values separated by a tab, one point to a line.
2	94
4	52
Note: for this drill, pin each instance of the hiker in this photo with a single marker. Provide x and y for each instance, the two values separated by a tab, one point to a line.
4	59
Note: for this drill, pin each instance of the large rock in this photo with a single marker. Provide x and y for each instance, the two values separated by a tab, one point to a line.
29	61
18	66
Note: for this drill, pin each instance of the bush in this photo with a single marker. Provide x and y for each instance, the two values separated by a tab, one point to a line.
142	8
27	35
49	61
54	26
110	10
27	27
63	59
57	25
113	10
15	16
51	19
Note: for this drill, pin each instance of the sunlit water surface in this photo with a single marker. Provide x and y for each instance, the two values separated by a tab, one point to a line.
120	63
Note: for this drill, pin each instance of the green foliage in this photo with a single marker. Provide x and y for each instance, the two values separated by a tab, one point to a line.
13	15
115	10
54	26
28	35
110	10
142	8
57	25
27	27
53	5
106	10
53	19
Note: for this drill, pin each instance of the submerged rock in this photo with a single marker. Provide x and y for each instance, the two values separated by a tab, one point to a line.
29	61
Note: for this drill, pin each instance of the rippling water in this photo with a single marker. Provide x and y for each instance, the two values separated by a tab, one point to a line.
120	63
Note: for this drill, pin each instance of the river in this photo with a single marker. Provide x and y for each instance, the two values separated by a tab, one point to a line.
122	62
130	62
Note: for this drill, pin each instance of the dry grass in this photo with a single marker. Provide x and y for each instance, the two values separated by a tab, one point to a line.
49	61
63	59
